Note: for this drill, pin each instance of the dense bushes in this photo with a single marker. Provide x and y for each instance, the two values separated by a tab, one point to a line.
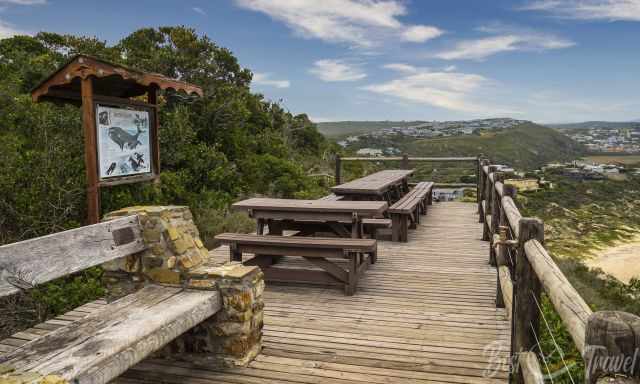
213	149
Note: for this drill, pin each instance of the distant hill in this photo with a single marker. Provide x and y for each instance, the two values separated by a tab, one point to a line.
341	128
526	146
597	124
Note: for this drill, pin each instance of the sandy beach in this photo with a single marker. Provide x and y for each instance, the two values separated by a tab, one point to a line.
621	261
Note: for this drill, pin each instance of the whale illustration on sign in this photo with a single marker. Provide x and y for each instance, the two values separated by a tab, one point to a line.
124	138
123	141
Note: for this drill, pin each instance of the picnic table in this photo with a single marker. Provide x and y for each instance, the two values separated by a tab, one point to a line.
344	218
388	185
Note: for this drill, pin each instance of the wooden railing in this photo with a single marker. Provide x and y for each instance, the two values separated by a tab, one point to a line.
405	161
525	268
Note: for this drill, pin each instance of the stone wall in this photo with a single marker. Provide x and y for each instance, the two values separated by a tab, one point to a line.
177	256
233	336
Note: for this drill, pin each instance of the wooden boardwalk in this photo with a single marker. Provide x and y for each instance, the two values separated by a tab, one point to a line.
424	313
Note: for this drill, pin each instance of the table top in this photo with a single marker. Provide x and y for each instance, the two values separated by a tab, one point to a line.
373	184
367	208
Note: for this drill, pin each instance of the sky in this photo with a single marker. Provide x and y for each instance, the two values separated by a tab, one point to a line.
549	61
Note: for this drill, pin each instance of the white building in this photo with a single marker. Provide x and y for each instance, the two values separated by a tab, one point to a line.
369	152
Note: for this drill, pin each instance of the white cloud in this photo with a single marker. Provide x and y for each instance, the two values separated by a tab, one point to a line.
360	23
265	79
505	39
450	68
420	33
7	30
401	67
199	10
449	90
23	2
612	10
336	70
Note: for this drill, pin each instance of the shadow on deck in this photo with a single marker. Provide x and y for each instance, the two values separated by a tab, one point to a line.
424	313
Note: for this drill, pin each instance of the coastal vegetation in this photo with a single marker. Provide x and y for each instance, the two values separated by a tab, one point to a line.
580	218
214	149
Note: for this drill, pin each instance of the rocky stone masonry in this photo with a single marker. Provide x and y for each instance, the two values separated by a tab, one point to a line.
174	247
233	336
177	256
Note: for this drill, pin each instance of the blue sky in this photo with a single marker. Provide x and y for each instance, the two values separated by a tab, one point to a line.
543	60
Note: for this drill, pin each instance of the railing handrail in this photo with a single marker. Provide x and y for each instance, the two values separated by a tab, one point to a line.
404	160
519	286
410	158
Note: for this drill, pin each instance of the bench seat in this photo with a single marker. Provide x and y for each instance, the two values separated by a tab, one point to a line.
405	213
267	250
104	344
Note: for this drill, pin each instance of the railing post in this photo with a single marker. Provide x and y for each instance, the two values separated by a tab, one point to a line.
405	161
612	347
496	209
481	188
478	183
489	191
526	316
502	249
338	169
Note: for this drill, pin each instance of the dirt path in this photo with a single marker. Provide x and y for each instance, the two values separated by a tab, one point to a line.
621	261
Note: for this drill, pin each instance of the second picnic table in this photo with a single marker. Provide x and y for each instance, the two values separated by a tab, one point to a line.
388	185
310	216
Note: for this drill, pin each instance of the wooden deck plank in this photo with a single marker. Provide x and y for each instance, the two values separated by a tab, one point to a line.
424	313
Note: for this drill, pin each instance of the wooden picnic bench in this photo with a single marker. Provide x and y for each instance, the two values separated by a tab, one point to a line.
405	213
101	346
359	253
388	185
344	218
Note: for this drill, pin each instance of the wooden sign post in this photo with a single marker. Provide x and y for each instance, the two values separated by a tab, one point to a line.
120	131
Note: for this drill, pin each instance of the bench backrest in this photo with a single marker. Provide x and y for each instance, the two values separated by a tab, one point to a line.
36	261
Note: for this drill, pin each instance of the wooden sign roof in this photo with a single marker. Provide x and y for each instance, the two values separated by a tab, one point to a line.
110	80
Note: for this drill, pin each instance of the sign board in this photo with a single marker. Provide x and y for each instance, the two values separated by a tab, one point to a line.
125	141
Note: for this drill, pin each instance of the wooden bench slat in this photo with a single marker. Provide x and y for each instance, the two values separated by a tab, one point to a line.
380	223
300	242
43	259
268	249
332	197
91	349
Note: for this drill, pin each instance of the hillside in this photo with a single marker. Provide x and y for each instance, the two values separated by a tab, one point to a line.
341	128
526	146
596	124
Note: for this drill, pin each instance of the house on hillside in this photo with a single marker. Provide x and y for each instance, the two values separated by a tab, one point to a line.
369	152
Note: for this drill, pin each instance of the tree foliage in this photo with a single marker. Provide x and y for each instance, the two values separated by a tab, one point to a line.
230	143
